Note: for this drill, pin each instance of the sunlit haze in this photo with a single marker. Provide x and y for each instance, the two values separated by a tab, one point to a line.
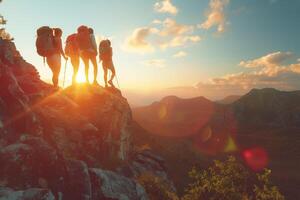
211	48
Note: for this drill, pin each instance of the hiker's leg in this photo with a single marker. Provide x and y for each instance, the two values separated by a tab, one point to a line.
75	64
105	75
54	64
56	74
113	72
94	62
55	77
86	68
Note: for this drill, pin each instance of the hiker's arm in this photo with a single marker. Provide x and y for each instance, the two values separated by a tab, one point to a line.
61	50
63	54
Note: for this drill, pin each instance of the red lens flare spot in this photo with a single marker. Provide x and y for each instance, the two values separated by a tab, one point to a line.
256	158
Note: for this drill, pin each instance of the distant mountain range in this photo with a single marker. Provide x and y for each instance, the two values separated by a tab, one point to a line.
268	107
175	116
229	99
260	107
195	131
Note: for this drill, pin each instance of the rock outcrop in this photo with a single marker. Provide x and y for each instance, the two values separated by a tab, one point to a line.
32	193
62	144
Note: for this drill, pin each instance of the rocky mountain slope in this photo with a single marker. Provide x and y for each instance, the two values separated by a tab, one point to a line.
68	144
265	118
268	107
175	116
229	99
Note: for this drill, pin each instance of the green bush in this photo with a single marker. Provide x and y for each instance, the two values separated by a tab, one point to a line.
156	187
230	180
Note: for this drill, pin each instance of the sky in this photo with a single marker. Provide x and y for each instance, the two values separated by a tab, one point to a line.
211	48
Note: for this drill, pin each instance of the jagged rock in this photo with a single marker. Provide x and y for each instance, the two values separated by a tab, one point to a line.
146	162
29	194
25	162
78	184
49	139
108	110
109	185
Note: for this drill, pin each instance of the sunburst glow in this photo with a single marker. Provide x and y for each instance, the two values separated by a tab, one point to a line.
80	78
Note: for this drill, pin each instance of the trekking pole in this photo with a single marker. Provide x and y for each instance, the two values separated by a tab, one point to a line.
65	73
117	82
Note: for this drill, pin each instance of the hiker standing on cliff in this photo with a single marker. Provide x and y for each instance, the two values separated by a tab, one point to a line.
72	51
87	50
49	46
105	55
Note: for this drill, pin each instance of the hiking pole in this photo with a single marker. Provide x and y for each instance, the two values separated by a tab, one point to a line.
65	73
117	81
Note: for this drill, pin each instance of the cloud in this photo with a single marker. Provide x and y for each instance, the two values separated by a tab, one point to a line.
173	34
172	28
180	54
216	16
138	41
267	71
283	77
159	63
269	60
156	21
165	6
161	34
178	41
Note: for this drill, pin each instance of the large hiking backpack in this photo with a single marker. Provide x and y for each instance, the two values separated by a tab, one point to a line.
105	50
71	48
45	41
84	41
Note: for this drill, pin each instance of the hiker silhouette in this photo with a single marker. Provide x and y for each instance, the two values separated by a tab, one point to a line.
49	46
72	51
105	55
87	50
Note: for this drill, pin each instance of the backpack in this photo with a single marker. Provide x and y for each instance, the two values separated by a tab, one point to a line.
105	50
45	41
71	48
84	41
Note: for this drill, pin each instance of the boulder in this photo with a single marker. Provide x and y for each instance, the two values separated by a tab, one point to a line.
110	185
78	184
29	194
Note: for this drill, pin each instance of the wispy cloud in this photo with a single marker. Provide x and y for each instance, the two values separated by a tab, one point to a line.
269	60
159	63
180	54
161	34
267	71
171	28
216	16
165	6
138	40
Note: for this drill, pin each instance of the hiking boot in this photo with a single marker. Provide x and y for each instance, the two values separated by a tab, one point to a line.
111	83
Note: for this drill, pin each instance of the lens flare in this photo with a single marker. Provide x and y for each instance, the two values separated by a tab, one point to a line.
230	146
256	158
206	134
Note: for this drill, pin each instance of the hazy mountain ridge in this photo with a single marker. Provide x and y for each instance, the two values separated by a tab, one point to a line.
269	107
267	118
175	116
259	107
229	99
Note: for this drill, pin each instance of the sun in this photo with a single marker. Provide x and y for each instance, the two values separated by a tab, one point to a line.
80	78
